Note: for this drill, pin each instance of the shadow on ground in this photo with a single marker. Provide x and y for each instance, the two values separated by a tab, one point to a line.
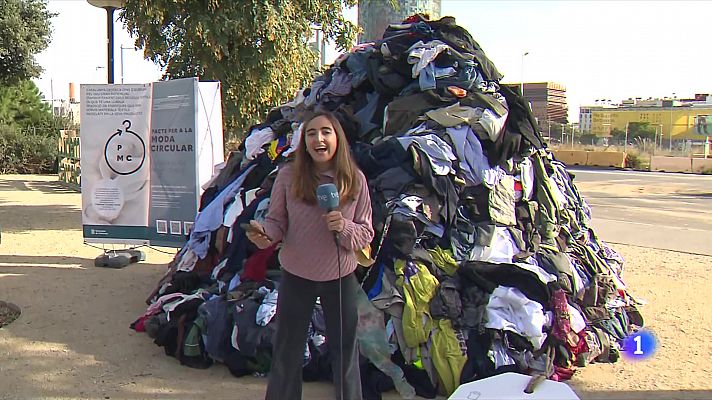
703	195
33	261
19	218
49	187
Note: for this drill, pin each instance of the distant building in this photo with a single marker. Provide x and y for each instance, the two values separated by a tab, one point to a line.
69	108
585	119
671	117
548	101
375	16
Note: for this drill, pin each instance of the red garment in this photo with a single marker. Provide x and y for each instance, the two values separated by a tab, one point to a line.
457	91
562	319
139	324
581	346
256	266
562	374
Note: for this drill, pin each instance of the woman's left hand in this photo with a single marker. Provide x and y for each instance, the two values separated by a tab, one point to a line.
335	221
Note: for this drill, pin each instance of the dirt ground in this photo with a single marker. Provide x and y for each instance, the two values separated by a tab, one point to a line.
72	340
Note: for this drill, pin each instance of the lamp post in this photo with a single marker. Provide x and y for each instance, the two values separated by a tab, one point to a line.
110	6
521	85
122	59
671	105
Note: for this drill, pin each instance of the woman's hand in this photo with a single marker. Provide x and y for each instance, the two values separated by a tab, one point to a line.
335	221
256	234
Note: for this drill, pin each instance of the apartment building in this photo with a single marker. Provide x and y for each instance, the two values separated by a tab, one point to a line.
673	118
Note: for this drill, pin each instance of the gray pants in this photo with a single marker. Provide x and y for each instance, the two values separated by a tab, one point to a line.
295	305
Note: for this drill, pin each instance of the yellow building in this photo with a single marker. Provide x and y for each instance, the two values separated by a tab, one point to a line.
666	116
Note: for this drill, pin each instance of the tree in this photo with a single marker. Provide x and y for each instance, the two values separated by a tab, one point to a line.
588	138
257	49
21	107
28	130
24	32
641	130
617	134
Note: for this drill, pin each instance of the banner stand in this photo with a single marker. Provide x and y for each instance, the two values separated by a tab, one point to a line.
119	258
147	149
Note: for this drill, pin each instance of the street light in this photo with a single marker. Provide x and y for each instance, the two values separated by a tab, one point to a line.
122	59
521	85
110	6
671	105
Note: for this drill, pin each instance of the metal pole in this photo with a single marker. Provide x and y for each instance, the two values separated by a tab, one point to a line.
122	63
316	45
323	50
563	135
122	60
521	84
110	43
625	144
670	148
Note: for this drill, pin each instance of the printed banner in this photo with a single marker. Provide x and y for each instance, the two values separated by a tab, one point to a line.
146	151
174	189
115	163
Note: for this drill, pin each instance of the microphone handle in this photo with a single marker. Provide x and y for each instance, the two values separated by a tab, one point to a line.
336	238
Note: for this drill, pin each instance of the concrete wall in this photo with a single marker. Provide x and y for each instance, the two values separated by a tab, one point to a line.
700	165
591	158
571	157
680	164
606	159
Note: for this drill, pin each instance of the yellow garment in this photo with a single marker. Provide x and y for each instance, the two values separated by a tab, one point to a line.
444	260
363	257
447	355
272	151
419	289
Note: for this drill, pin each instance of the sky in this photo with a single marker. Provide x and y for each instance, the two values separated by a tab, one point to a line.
598	50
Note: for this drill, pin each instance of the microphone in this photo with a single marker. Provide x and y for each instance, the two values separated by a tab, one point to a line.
328	196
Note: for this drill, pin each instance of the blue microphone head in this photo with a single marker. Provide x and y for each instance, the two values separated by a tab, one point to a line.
327	196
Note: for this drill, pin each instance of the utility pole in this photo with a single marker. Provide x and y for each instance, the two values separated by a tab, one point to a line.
563	135
110	6
521	85
122	60
670	149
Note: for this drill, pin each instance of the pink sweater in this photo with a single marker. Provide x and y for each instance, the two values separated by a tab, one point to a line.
308	248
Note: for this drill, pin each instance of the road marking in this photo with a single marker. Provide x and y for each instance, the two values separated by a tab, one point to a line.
623	174
655	225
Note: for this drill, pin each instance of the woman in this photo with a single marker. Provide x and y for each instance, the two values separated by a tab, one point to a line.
312	266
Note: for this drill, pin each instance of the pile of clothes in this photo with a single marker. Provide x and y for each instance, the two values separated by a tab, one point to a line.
483	262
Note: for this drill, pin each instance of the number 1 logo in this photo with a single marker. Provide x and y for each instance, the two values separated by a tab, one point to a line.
640	345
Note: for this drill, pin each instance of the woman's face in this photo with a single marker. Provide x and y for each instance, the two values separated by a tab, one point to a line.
321	141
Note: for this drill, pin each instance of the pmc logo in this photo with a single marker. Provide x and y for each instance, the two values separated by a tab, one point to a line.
125	151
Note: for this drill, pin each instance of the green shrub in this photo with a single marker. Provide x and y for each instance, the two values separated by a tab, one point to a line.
27	154
633	161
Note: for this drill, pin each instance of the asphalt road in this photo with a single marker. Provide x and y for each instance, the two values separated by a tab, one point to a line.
669	211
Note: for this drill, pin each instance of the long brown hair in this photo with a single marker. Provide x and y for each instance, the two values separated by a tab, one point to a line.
306	178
